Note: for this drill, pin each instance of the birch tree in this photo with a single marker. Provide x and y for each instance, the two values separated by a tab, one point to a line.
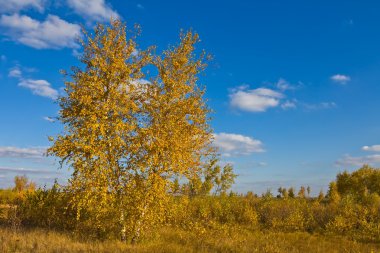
128	134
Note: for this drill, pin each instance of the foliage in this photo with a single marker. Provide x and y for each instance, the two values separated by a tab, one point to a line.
212	177
47	208
8	196
127	138
364	181
344	215
22	183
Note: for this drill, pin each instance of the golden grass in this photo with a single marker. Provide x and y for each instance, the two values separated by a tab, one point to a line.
173	240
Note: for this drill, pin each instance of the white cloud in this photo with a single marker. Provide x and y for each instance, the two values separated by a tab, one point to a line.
28	171
327	105
39	87
257	100
348	160
237	144
16	152
94	10
15	72
52	33
289	105
341	79
50	119
374	148
140	6
320	106
11	6
284	85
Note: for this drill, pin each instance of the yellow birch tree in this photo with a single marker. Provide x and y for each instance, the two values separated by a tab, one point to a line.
126	138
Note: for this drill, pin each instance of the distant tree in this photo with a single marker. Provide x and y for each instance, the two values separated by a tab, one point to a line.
227	179
267	195
211	178
22	183
285	193
291	192
344	184
321	196
333	194
279	190
250	195
301	192
365	180
308	189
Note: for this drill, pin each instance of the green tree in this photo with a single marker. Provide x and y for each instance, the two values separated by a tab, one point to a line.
280	190
291	193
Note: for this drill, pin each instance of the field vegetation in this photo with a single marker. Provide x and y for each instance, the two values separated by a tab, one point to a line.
342	221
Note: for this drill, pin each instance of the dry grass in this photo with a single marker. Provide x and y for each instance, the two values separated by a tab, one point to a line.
172	240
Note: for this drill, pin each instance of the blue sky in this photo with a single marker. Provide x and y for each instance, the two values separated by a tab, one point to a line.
294	85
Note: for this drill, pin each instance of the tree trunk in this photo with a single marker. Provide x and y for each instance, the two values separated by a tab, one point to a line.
123	230
137	234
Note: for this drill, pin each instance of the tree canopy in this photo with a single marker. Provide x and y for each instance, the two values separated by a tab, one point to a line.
130	135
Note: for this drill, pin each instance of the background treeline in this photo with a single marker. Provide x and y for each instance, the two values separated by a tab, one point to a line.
351	207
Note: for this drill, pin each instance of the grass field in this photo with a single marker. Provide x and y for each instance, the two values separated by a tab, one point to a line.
172	240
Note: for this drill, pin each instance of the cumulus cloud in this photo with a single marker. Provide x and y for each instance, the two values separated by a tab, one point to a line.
374	148
256	100
15	72
237	144
16	152
39	87
11	6
53	33
348	160
289	105
284	85
341	79
94	10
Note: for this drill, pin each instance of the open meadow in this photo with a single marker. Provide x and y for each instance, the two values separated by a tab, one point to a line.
172	240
